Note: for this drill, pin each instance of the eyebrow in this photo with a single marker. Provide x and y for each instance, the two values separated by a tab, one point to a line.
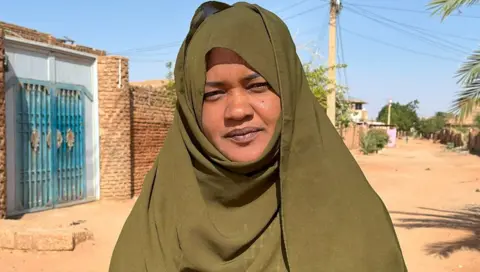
221	83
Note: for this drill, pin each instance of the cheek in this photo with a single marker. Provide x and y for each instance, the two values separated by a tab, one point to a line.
269	108
212	122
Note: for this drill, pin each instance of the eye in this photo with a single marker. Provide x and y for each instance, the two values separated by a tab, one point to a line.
213	95
259	87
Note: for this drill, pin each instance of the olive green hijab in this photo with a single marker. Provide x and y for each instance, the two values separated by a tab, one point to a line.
304	202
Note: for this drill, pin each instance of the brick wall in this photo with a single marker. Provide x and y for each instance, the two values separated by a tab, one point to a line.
351	135
3	179
115	128
33	35
152	115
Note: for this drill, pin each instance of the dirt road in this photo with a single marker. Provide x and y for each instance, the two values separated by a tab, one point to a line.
432	196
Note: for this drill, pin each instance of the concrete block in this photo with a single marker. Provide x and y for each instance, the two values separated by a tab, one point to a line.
24	240
54	241
7	239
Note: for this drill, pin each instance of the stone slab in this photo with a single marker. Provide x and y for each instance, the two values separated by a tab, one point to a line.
15	235
7	239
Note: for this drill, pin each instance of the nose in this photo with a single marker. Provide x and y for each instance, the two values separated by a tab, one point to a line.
238	107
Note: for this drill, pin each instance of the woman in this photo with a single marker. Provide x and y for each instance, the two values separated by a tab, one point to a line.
252	176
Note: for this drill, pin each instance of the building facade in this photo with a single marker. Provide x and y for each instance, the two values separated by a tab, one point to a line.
70	123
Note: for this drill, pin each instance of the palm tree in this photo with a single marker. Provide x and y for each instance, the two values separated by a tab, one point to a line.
469	73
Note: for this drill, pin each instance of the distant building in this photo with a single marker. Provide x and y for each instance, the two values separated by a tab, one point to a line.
359	113
468	121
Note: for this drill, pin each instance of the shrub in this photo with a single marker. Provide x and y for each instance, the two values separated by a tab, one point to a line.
380	136
367	144
373	141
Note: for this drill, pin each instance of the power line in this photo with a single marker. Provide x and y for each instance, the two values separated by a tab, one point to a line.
292	6
437	42
148	48
149	53
148	61
304	12
178	43
410	10
339	31
339	60
322	34
421	30
399	47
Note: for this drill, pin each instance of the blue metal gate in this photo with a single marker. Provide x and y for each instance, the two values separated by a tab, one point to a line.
50	160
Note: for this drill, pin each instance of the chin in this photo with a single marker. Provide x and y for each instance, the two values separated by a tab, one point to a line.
244	154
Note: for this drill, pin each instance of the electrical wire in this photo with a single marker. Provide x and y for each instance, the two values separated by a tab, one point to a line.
148	48
423	31
304	12
426	37
410	10
399	47
323	33
342	52
339	61
292	6
162	46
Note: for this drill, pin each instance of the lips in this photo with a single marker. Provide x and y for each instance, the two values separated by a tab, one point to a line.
243	135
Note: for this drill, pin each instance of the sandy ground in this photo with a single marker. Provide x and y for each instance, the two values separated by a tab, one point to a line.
431	195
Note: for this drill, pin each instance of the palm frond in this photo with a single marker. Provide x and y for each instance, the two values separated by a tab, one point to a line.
467	100
446	7
469	72
469	78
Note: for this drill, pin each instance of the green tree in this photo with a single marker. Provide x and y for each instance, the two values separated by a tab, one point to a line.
469	73
170	86
433	124
402	116
318	82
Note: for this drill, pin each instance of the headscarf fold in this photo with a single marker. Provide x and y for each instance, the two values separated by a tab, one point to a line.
305	198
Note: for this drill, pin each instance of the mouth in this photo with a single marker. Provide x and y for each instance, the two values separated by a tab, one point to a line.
243	135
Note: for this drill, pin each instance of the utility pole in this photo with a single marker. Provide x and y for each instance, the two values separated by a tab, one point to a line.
335	7
389	112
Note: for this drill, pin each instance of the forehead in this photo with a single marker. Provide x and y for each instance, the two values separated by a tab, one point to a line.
220	55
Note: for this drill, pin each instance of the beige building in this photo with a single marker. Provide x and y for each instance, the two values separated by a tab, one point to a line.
359	112
468	121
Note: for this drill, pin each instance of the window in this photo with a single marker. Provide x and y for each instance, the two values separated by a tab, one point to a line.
358	106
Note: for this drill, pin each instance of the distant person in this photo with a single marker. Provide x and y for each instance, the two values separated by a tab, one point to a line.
252	176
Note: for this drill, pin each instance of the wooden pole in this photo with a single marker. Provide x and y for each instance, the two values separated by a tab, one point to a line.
332	49
389	112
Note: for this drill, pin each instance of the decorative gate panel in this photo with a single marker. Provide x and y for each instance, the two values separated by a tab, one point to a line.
70	147
50	160
34	160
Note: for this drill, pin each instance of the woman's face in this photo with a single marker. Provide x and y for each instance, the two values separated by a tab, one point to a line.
240	110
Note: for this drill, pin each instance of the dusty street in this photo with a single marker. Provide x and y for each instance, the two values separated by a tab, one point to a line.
433	197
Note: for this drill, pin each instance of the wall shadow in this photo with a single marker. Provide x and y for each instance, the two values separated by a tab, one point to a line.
467	219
